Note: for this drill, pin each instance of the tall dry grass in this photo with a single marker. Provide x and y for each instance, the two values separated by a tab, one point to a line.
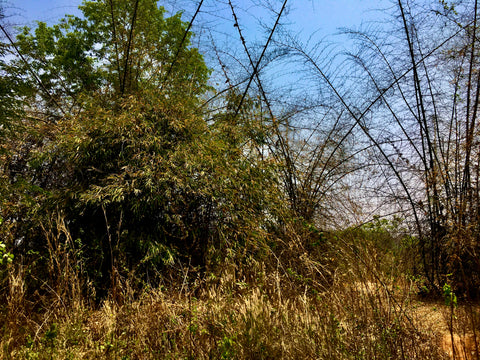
338	300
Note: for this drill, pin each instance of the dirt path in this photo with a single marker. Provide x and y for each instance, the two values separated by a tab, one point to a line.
436	317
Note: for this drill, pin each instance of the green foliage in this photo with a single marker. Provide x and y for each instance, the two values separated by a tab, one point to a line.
110	51
387	235
123	153
10	103
141	59
5	256
449	296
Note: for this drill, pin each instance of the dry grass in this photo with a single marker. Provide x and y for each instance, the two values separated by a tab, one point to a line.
236	322
250	311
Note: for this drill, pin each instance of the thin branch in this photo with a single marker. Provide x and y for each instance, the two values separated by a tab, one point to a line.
129	44
31	70
255	69
115	40
180	47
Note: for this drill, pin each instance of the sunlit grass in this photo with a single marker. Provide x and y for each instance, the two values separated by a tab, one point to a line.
259	310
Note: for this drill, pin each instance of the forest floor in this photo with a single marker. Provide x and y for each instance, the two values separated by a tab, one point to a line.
446	327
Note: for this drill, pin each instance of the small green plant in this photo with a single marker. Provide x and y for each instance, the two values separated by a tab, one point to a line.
5	256
227	347
51	334
449	296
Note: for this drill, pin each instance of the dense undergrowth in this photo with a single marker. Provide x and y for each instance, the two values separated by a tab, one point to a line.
336	296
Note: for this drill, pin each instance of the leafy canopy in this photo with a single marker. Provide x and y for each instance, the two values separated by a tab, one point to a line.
117	48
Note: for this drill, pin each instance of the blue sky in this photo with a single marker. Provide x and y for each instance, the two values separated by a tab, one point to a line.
307	15
27	11
305	18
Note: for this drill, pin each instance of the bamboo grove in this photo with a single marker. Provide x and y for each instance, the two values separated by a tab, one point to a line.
119	150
